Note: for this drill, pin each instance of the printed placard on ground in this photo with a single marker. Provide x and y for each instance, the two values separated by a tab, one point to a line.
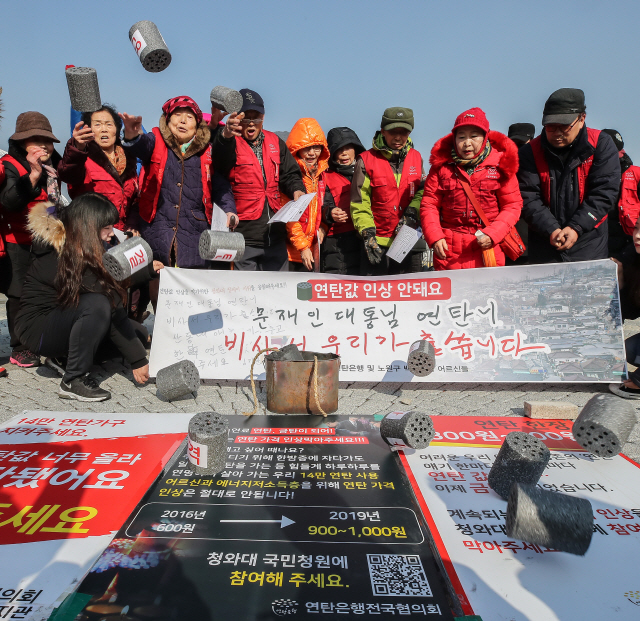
296	525
548	323
501	579
68	481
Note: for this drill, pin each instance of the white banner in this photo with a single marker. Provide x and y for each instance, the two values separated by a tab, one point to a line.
552	323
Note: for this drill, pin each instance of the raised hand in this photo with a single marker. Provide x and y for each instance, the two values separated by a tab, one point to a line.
132	125
82	136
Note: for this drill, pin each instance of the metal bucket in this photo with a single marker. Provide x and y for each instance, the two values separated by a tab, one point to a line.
290	384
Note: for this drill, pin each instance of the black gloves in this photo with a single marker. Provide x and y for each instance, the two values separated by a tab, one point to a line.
374	252
410	218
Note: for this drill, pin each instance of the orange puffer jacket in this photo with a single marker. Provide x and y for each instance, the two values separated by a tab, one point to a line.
307	132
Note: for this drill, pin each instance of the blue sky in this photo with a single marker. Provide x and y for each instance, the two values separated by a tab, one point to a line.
342	62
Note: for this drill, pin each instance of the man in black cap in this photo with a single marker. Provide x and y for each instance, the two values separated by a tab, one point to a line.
569	179
259	166
522	133
624	214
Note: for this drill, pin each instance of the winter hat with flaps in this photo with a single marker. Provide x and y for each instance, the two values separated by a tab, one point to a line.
339	137
475	117
617	138
397	117
32	124
183	101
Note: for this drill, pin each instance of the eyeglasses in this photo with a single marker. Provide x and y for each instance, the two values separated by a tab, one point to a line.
315	147
552	128
251	121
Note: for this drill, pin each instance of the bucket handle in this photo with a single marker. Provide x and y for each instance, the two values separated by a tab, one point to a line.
253	384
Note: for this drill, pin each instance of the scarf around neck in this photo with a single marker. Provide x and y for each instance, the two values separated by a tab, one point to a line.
380	145
469	166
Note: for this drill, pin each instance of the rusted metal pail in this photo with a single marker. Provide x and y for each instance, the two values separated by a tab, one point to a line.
290	384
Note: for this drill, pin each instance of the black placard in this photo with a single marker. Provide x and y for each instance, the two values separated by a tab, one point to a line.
312	521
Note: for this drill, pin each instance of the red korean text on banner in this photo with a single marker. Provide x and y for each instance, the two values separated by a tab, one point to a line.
381	290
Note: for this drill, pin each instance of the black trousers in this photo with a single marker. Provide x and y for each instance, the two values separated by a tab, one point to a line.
81	333
340	254
411	264
273	258
16	263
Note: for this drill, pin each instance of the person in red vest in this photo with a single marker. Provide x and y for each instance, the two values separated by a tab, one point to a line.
624	216
259	167
486	163
94	161
30	178
569	179
340	251
177	184
386	191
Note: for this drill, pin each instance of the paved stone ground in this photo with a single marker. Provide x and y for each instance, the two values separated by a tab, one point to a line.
36	389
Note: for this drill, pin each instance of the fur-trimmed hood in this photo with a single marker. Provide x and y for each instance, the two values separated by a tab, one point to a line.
507	152
45	228
199	143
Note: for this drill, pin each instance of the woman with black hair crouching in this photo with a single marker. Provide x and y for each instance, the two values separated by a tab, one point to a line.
70	305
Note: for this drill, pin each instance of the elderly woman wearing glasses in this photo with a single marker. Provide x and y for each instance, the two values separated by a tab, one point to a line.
569	179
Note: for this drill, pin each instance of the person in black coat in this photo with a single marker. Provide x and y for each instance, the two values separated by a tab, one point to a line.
561	226
340	251
70	305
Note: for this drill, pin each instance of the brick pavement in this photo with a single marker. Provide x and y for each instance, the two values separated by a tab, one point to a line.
36	389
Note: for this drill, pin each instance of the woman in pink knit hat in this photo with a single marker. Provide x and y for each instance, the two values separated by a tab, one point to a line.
471	164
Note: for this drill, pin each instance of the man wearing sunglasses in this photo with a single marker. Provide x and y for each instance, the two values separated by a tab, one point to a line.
569	180
258	165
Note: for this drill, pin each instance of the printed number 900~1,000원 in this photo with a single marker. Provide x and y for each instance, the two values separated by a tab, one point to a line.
374	532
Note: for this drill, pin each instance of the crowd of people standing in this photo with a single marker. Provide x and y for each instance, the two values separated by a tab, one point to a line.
571	193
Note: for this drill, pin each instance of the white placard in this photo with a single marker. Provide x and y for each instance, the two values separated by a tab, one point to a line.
396	443
119	235
403	243
198	453
293	210
137	258
138	42
219	219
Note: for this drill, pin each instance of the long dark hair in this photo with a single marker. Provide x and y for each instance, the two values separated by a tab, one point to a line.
83	219
87	116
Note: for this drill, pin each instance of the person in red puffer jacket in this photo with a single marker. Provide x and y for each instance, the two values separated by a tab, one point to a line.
488	161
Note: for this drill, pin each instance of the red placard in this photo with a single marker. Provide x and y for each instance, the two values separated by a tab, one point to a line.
76	489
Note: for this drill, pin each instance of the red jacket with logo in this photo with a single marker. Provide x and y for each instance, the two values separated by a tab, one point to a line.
340	188
13	225
388	200
629	203
446	212
151	179
247	182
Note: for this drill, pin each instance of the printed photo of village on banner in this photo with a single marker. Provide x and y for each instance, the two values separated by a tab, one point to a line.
549	323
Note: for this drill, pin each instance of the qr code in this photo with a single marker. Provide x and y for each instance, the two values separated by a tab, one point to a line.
398	574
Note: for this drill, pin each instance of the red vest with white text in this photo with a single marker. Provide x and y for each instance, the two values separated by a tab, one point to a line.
340	188
388	200
13	225
248	184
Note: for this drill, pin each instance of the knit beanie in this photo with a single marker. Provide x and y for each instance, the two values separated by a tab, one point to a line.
473	116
